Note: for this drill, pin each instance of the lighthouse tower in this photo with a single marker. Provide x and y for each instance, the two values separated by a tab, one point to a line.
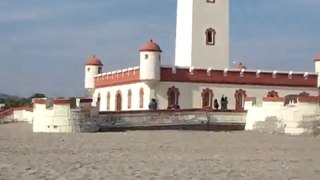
150	57
93	67
202	34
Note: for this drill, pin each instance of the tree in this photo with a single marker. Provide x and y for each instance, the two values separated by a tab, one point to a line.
37	95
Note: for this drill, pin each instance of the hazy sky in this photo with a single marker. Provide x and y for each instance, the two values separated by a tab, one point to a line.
44	44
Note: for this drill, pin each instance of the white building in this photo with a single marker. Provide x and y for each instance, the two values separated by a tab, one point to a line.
201	73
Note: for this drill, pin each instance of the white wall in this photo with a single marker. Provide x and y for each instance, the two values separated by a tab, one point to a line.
55	119
193	18
183	46
150	66
90	72
290	117
317	70
135	101
190	93
23	116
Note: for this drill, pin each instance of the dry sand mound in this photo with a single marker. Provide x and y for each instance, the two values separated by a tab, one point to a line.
156	155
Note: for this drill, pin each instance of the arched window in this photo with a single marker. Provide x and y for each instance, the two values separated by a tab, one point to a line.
207	96
129	98
273	94
108	101
240	97
173	97
141	94
118	101
211	36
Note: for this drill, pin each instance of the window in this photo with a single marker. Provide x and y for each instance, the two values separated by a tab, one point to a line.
211	1
118	101
100	70
129	98
173	97
207	96
108	101
141	94
240	97
88	69
211	36
146	56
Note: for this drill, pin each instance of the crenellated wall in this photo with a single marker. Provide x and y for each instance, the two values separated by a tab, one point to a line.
125	76
237	76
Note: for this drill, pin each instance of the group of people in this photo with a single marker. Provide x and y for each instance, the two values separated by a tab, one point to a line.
223	102
153	105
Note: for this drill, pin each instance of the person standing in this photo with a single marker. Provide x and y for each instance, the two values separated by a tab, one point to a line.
216	104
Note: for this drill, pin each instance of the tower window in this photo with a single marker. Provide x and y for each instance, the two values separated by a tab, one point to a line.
88	69
211	36
211	1
146	56
100	70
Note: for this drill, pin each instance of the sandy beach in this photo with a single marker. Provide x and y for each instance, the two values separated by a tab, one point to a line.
156	155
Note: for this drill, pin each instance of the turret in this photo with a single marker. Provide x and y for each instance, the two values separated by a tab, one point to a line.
150	62
317	68
93	67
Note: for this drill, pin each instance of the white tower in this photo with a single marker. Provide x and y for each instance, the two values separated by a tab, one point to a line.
93	67
202	34
150	57
317	68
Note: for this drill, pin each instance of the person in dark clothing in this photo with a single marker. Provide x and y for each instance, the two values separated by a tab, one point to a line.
222	102
216	104
153	105
225	103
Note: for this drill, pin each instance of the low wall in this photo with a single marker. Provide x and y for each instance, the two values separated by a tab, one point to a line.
192	119
300	116
59	115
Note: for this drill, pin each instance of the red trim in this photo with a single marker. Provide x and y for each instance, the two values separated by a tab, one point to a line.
6	112
61	101
249	99
311	99
233	77
131	76
39	101
273	99
23	108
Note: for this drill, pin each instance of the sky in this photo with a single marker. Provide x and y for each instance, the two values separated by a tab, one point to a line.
44	44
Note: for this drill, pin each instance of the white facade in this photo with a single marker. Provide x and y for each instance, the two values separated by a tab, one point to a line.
189	94
317	70
137	90
150	63
23	115
194	18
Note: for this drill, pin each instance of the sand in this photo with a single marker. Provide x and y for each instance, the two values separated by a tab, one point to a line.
156	155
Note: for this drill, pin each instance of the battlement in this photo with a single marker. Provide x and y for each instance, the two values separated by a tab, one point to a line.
239	76
118	77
